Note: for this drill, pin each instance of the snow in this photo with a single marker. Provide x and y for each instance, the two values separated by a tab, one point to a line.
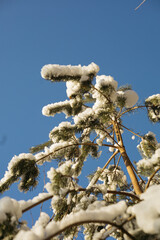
104	80
14	161
9	206
147	212
52	109
41	196
40	224
150	163
73	88
61	129
27	235
83	116
98	214
54	151
153	97
51	71
133	137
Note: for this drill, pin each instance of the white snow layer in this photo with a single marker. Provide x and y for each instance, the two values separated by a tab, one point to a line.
155	96
97	213
50	70
106	214
147	212
41	196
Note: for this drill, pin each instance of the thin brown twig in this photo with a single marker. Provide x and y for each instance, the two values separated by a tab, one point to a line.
36	204
136	134
116	166
151	177
44	183
137	173
124	193
131	109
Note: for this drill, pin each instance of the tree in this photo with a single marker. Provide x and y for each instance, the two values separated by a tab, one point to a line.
113	204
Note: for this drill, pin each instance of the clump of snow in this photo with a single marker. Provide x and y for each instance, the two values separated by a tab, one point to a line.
14	161
109	84
64	128
53	108
147	212
73	88
9	206
133	137
52	71
149	164
84	116
40	224
153	97
153	104
103	80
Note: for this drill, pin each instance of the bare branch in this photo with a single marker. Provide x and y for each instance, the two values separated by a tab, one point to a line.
140	4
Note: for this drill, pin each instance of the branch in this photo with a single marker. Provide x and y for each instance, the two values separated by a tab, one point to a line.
55	228
37	203
94	180
139	5
151	177
131	109
75	144
131	131
101	93
126	159
124	193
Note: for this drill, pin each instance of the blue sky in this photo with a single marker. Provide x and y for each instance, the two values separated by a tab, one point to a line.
125	44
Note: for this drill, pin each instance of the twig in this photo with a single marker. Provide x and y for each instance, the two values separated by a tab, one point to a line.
151	177
74	144
131	109
140	5
131	131
124	193
101	93
36	204
109	160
